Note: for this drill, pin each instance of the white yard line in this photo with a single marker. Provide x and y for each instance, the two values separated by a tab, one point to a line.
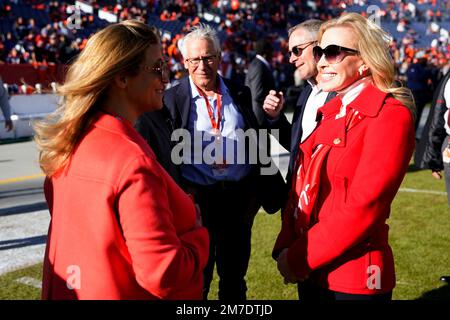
32	282
22	239
439	193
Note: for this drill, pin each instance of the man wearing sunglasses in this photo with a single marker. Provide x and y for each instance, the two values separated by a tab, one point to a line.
302	40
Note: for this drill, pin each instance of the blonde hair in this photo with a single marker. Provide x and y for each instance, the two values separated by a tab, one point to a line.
373	46
117	49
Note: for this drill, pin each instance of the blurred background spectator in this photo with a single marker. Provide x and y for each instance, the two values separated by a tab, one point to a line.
46	35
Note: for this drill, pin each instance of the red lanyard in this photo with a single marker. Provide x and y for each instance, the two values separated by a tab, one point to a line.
214	124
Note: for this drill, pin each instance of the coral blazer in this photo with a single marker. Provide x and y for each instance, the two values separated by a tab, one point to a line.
120	226
347	249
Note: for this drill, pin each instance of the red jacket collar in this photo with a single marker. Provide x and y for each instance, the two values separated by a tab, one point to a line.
368	103
113	123
121	126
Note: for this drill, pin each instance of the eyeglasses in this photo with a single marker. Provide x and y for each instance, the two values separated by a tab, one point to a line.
162	70
206	59
333	53
297	51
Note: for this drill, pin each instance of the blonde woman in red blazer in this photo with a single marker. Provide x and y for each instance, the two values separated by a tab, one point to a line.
120	226
334	237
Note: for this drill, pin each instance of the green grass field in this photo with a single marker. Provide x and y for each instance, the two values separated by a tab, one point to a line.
420	238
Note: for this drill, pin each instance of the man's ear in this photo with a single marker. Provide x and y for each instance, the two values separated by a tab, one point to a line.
120	81
185	64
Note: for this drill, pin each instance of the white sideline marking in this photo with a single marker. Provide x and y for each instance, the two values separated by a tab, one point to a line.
15	231
440	193
32	282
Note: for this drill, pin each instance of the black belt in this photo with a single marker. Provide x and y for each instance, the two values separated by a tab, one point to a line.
223	185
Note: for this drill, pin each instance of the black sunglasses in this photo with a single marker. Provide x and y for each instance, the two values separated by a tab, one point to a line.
333	53
297	50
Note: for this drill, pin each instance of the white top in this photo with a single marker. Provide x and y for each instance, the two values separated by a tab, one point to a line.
263	60
447	101
315	100
350	93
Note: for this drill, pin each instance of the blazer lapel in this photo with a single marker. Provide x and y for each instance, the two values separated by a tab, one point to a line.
239	98
330	96
183	101
298	116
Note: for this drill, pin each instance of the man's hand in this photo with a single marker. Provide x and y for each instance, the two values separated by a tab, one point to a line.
198	216
436	175
8	125
285	271
273	104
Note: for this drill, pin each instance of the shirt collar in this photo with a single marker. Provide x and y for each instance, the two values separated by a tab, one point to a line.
194	91
315	88
368	102
350	93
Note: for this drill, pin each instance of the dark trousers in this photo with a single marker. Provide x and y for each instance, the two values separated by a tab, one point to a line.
421	98
446	170
228	210
310	292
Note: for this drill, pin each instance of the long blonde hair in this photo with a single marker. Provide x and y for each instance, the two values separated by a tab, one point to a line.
117	49
373	46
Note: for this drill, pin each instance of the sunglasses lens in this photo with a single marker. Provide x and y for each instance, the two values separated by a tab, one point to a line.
317	52
333	54
296	51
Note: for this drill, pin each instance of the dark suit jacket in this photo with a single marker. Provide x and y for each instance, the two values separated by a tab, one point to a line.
428	154
156	128
291	134
260	80
178	102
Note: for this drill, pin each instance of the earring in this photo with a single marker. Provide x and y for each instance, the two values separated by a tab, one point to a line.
361	72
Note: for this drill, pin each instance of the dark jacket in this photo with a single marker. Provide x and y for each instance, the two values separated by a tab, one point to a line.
156	128
260	80
428	152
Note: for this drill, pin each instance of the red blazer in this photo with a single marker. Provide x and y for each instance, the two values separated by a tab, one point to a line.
359	180
120	227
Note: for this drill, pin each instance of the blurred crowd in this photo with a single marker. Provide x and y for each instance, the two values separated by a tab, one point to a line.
54	41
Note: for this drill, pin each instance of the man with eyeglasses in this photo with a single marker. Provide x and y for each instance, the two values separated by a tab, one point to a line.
211	109
302	40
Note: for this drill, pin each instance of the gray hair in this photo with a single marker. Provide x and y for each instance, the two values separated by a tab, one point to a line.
200	31
311	25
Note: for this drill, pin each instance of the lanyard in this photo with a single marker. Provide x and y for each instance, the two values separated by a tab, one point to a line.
214	124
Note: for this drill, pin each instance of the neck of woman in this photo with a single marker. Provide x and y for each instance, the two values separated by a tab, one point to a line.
120	108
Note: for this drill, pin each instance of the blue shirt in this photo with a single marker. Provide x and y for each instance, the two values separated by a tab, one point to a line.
200	168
